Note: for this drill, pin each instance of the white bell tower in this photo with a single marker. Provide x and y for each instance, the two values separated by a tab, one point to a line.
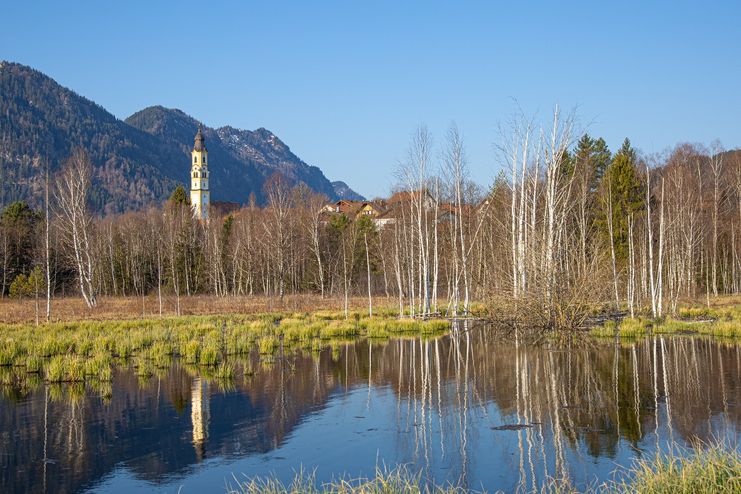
199	194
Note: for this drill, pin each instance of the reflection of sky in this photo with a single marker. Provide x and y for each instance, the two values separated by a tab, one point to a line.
361	429
429	405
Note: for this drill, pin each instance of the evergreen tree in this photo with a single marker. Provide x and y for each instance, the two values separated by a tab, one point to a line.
592	157
179	196
623	192
19	239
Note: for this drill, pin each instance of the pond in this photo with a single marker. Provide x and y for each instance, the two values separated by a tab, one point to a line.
488	412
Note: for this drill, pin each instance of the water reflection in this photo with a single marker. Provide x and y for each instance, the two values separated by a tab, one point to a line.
200	411
469	406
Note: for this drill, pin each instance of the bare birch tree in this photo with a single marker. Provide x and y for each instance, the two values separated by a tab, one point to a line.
73	186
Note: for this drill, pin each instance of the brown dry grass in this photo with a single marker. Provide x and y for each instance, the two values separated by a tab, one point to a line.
74	308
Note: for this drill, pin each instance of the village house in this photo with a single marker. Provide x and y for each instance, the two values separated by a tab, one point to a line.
355	209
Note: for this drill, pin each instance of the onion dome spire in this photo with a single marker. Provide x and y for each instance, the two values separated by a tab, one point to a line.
200	141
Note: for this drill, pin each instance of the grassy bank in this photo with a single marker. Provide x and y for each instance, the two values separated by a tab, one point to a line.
68	309
713	470
721	321
399	480
86	350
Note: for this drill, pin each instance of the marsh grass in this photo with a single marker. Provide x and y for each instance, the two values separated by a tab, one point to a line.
633	327
210	355
704	470
268	345
724	321
225	370
65	368
87	350
697	313
398	480
607	330
34	364
726	329
143	369
713	469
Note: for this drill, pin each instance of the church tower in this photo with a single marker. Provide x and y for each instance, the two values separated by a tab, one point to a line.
199	195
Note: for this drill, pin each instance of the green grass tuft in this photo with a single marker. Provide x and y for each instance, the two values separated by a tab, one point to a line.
268	345
398	480
713	470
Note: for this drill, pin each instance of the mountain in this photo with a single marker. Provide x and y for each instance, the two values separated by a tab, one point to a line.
41	122
137	162
343	191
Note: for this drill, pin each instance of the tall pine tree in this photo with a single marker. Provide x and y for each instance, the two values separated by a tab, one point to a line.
622	192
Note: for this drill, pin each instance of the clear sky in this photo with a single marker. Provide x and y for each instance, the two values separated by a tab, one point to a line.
344	84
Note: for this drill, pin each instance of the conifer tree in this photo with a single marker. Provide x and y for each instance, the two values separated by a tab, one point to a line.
623	188
179	196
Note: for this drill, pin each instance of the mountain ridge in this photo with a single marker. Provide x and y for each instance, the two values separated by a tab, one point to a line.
137	161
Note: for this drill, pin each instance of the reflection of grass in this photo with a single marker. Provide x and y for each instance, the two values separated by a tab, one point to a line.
143	369
225	370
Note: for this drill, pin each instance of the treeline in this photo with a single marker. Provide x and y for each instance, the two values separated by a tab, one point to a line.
570	224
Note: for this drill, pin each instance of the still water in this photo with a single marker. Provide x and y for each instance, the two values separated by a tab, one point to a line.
489	413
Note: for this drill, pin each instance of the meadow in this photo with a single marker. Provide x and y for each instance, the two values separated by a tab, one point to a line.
78	351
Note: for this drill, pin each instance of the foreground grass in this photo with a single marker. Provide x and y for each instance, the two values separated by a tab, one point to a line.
86	350
399	480
713	470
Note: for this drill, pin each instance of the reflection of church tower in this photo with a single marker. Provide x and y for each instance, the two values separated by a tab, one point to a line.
200	414
199	194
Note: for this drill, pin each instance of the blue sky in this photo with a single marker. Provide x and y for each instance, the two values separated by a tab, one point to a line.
344	84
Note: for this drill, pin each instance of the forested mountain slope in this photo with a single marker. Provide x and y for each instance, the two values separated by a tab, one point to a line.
137	162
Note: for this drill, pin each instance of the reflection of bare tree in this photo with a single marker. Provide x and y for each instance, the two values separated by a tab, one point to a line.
582	401
565	403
